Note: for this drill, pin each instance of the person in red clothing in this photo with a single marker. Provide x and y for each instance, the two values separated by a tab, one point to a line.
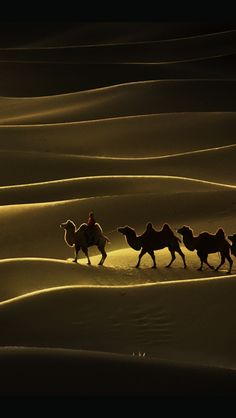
91	220
91	228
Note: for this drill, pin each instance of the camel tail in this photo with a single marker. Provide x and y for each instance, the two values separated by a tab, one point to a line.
107	239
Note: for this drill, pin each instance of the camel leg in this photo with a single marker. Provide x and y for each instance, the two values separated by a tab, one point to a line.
230	263
85	250
203	258
206	262
222	262
173	257
140	256
180	252
153	258
76	250
200	268
104	255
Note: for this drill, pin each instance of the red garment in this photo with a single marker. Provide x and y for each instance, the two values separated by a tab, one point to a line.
91	220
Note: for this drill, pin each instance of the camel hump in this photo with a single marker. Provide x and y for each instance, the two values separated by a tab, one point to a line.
167	229
220	233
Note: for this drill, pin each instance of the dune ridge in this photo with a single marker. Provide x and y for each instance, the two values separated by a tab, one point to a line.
201	380
98	186
119	272
197	36
181	49
172	334
156	135
32	229
40	167
128	99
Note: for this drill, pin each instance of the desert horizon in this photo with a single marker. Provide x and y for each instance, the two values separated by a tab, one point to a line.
135	122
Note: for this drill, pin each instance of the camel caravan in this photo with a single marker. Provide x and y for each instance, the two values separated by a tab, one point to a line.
90	233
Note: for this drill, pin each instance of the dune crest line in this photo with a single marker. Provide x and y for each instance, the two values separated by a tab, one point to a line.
132	158
128	176
141	62
101	287
101	45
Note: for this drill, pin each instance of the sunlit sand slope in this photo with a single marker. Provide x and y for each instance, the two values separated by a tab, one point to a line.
136	136
108	186
33	229
178	321
127	99
24	275
40	167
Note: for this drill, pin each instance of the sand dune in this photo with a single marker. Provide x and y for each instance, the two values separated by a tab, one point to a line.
182	49
40	72
36	34
40	78
117	185
122	100
20	276
164	321
135	136
135	122
33	167
54	372
32	230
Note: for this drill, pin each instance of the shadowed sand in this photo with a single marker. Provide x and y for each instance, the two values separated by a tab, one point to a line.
34	167
129	99
161	320
28	34
156	135
39	371
44	68
172	50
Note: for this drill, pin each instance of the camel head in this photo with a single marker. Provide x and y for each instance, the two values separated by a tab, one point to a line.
184	230
68	225
125	230
232	238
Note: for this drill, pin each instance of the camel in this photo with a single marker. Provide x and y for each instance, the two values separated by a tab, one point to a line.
205	244
78	239
232	238
152	240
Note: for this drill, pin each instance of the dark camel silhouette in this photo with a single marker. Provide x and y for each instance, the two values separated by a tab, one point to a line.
205	244
152	240
232	238
78	239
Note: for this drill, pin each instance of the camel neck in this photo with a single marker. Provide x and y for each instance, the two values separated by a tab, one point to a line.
189	241
133	241
70	237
